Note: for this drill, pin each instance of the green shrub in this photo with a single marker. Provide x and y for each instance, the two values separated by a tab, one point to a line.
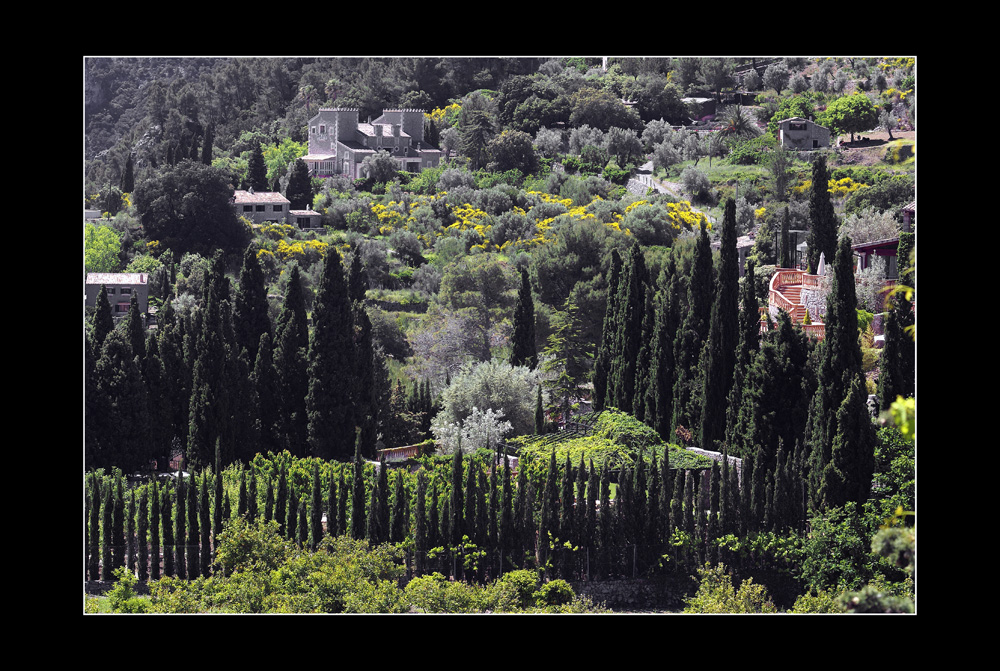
122	597
817	602
716	594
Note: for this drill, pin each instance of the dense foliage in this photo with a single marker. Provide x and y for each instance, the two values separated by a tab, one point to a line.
480	310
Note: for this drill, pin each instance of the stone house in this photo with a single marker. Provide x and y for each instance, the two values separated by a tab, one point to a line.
261	207
799	133
338	142
120	288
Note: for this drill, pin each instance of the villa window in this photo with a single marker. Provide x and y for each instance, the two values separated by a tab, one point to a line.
277	208
260	208
126	291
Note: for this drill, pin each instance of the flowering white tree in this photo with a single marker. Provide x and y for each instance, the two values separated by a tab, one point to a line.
480	429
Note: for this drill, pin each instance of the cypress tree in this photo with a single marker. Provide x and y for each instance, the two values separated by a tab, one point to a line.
723	336
420	538
291	364
631	304
341	505
897	366
217	519
242	505
281	499
292	515
590	520
539	413
518	531
168	533
383	511
118	524
358	495
434	537
250	308
316	510
840	372
329	402
130	541
252	506
180	535
267	396
94	565
107	521
787	251
493	523
128	176
303	525
456	525
677	509
608	543
257	170
823	225
206	527
104	323
299	189
331	508
548	522
193	539
608	347
749	344
154	531
482	522
400	502
659	395
524	351
506	526
691	335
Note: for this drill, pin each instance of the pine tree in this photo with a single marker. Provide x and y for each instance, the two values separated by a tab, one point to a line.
329	401
524	351
823	224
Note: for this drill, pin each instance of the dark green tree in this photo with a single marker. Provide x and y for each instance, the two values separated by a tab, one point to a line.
607	350
524	351
250	308
291	364
787	259
205	524
130	540
358	494
723	336
330	401
315	510
103	321
692	334
168	533
281	499
180	534
897	367
823	224
299	190
420	535
630	304
107	521
257	170
840	383
193	537
400	511
154	531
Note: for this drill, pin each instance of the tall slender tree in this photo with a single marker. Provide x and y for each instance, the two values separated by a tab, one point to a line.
524	350
608	347
329	402
723	336
822	239
692	334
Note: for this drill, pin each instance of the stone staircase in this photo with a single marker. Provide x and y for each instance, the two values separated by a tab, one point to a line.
786	294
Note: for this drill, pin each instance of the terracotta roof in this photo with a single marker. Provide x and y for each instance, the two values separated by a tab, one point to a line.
261	197
116	278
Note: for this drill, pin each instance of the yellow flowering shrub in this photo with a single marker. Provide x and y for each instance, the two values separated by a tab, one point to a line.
842	187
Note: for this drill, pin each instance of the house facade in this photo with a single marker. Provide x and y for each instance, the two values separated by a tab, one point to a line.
338	142
261	207
802	134
120	288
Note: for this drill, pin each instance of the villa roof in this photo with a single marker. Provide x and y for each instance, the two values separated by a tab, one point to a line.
262	197
116	278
